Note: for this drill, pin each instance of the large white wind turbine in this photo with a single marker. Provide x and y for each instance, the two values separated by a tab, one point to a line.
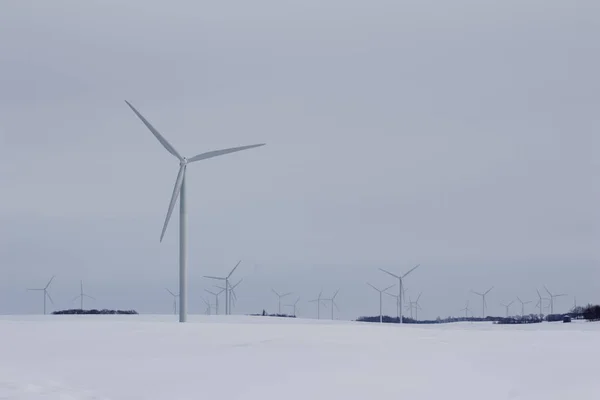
522	305
483	302
507	306
180	192
227	286
81	295
175	296
318	301
400	285
381	291
552	296
279	296
46	294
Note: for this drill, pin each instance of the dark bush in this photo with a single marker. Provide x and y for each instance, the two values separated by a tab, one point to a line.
78	311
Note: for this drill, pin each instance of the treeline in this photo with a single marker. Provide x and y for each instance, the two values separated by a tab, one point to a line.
78	311
266	314
589	313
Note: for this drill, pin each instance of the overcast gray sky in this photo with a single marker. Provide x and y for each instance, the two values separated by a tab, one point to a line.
459	135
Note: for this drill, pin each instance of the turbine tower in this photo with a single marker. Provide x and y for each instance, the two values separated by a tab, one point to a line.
466	309
179	191
318	301
483	302
523	305
552	296
174	301
294	305
507	306
400	286
227	286
333	303
279	297
381	291
81	295
216	299
46	294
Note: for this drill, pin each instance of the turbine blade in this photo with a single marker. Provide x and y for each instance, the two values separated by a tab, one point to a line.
174	196
216	153
233	294
411	270
389	273
234	286
547	291
538	292
49	282
275	292
287	294
213	293
234	268
336	306
160	138
214	277
89	297
373	287
76	297
389	287
489	290
50	298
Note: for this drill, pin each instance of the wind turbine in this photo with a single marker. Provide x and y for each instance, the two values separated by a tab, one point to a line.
232	296
400	285
179	191
522	305
507	306
226	279
216	299
466	309
333	303
46	294
294	305
381	291
540	303
483	302
552	296
280	296
207	311
417	307
174	301
318	301
82	295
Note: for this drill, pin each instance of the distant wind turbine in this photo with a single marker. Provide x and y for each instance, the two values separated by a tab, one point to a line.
208	306
466	309
400	286
523	305
333	303
46	294
232	295
294	305
318	301
417	307
381	291
81	295
179	191
507	306
175	296
279	296
483	302
552	296
216	294
227	286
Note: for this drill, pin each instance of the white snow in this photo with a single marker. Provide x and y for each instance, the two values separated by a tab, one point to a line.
238	357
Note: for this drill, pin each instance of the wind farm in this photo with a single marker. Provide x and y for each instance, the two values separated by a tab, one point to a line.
417	219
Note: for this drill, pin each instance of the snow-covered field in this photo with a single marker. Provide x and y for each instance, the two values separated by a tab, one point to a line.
218	357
